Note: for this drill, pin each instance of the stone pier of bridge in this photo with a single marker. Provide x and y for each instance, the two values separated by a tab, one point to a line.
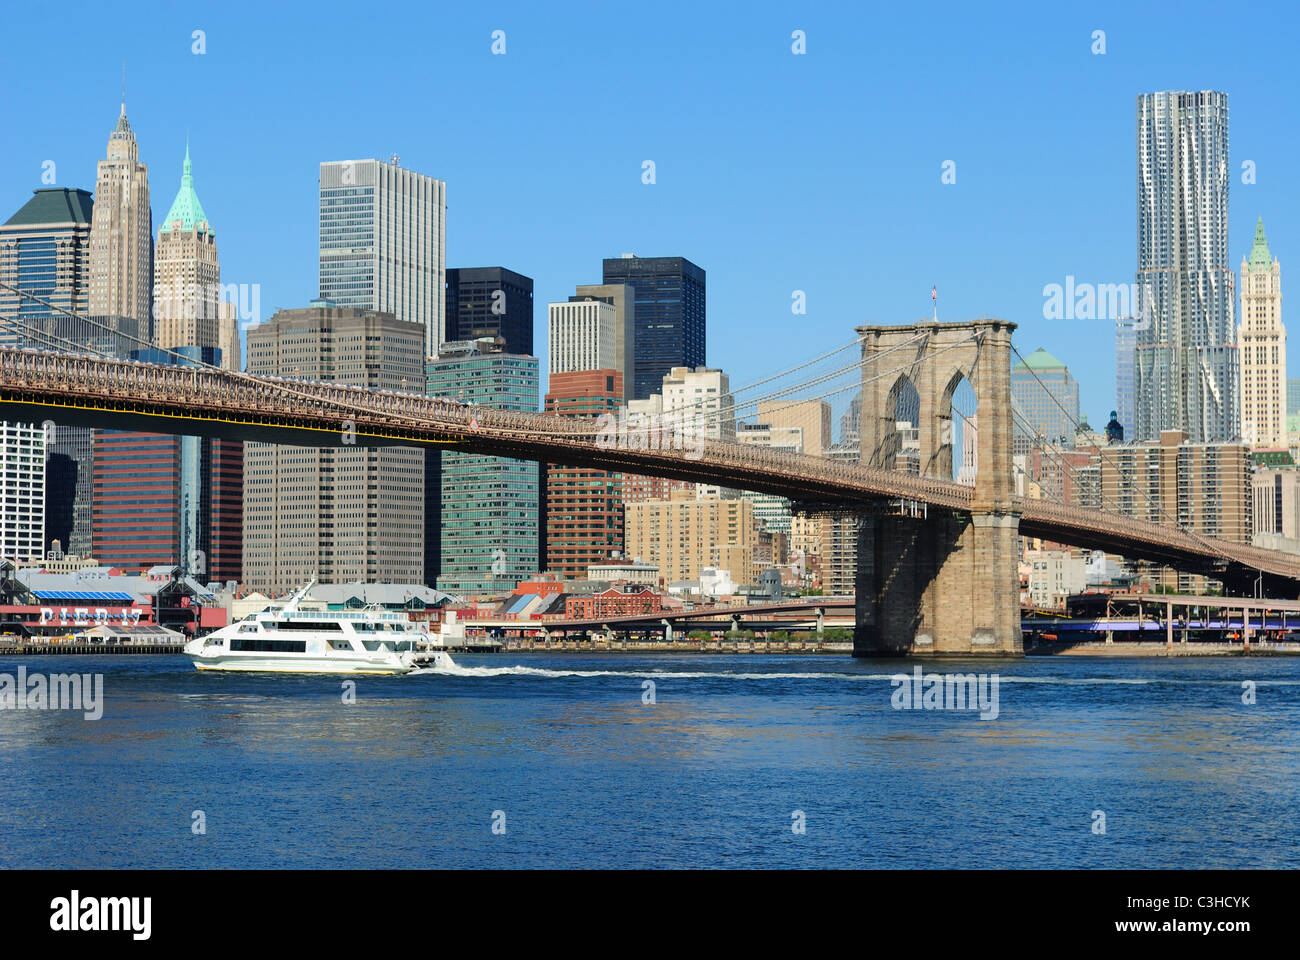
929	582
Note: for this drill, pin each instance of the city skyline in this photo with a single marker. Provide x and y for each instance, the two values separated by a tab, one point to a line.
855	214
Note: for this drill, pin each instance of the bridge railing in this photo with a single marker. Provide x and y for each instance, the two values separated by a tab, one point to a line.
121	384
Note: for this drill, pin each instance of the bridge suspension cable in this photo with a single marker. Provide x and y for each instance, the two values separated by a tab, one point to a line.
1154	505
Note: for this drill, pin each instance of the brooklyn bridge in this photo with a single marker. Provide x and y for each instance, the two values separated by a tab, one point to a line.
937	560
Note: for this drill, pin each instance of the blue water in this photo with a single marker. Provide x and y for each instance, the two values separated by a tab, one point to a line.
586	774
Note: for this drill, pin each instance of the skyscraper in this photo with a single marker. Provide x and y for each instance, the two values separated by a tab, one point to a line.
22	487
187	273
340	513
584	506
165	499
583	335
490	505
1263	347
383	234
623	299
1046	398
121	232
1187	367
1125	373
669	315
490	302
45	251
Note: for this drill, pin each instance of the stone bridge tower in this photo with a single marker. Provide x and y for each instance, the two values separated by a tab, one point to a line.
939	584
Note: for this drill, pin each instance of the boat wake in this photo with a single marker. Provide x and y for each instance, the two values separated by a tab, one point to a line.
456	670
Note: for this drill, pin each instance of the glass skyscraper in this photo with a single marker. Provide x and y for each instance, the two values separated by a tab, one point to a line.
489	531
1047	399
490	302
383	234
669	316
1187	372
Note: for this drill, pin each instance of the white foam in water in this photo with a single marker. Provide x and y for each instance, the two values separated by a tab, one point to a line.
521	671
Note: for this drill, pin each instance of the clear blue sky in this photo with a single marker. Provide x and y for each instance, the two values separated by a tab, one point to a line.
775	172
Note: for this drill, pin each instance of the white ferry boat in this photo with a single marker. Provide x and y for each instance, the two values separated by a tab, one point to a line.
289	640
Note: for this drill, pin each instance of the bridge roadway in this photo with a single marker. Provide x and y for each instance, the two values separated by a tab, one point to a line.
127	395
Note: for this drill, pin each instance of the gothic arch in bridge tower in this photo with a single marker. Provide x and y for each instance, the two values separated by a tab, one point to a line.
942	583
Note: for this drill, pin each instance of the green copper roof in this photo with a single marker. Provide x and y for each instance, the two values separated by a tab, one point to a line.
1040	359
54	205
1259	255
186	207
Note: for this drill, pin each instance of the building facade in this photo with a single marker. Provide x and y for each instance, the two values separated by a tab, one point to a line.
1046	398
683	535
490	533
166	500
1187	372
490	302
187	273
121	232
45	251
584	507
22	491
1262	339
811	417
339	513
583	335
1201	487
669	305
383	235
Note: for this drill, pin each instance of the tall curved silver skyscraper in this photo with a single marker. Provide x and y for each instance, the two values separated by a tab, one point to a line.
1187	368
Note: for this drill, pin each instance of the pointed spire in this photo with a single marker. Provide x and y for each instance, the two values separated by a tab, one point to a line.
186	207
1260	258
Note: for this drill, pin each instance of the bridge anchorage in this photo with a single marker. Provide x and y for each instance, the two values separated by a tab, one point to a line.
939	582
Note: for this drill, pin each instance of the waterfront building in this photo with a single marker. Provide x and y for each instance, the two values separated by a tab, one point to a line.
490	534
1262	340
1054	575
584	507
669	315
490	302
624	570
383	236
1046	398
1187	367
187	273
698	406
684	534
339	513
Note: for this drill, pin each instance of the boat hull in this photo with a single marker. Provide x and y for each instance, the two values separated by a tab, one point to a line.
308	664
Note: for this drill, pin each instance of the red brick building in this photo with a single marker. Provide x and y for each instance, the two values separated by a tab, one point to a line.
142	483
584	507
622	599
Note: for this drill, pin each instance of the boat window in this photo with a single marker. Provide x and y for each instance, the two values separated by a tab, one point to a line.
248	628
340	643
374	645
262	645
311	625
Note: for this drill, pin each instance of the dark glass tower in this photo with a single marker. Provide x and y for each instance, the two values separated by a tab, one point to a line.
476	309
669	315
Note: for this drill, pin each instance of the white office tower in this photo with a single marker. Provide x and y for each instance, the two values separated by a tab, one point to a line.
22	486
584	335
383	233
1263	348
